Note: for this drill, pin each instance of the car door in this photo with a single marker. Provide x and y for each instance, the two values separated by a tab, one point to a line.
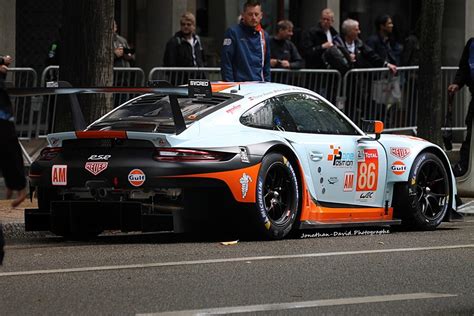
346	166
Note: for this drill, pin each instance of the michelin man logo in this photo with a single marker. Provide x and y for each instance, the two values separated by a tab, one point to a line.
244	182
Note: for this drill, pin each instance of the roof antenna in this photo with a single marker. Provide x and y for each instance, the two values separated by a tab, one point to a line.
239	86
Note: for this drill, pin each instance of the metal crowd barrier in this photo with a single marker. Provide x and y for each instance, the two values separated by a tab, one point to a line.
127	77
27	109
362	93
180	75
123	76
326	82
376	94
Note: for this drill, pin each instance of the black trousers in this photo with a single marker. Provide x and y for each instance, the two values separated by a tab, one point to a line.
11	159
2	244
465	147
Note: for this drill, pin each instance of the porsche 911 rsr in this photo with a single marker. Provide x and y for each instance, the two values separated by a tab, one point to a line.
273	158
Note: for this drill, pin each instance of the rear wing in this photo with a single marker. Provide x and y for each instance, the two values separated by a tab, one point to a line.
196	89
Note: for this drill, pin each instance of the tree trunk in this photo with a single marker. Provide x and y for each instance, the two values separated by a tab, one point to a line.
429	95
86	56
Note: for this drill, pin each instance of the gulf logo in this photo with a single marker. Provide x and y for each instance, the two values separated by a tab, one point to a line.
136	177
398	168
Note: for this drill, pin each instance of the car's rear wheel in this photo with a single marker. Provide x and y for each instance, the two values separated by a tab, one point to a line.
424	201
276	206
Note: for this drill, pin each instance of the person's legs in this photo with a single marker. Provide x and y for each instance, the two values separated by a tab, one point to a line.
463	165
11	163
2	244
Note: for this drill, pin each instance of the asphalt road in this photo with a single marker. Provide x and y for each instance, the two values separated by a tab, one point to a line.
398	273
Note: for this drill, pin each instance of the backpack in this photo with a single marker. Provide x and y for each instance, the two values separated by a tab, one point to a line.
335	59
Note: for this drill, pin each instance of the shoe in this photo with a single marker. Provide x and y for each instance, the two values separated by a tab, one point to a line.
21	196
459	170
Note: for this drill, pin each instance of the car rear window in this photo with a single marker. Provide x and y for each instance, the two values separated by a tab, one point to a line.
152	113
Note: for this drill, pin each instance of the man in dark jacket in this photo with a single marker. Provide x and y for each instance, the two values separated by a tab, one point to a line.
465	76
353	53
245	52
123	54
382	42
318	39
283	53
184	49
11	159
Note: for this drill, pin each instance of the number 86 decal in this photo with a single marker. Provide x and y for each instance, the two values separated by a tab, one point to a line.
367	171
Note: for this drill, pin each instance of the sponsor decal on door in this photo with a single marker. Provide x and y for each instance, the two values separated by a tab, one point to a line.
348	181
368	171
339	158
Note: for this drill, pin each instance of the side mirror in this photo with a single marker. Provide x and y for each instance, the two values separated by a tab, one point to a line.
372	126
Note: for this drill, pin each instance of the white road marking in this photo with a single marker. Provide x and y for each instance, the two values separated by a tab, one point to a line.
465	205
227	260
304	304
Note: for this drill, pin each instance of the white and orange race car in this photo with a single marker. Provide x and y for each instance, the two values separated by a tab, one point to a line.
267	158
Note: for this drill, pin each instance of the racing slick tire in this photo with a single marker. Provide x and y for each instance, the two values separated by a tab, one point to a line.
423	202
276	206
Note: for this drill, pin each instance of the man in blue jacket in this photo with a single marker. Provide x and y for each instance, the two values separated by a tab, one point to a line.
246	48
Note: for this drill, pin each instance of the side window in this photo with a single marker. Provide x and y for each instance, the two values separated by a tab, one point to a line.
270	114
312	115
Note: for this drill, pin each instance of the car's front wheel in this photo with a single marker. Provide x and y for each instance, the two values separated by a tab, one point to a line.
424	201
276	206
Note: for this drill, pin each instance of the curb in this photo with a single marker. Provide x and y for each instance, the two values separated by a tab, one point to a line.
17	231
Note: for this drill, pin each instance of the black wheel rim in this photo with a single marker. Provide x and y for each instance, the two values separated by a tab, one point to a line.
431	190
278	193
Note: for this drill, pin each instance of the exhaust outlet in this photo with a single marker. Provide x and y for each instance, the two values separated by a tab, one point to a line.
93	192
102	193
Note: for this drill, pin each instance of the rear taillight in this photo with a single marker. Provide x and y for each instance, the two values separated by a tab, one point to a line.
177	154
49	153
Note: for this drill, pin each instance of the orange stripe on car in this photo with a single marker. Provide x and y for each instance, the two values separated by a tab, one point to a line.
101	134
233	180
219	86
